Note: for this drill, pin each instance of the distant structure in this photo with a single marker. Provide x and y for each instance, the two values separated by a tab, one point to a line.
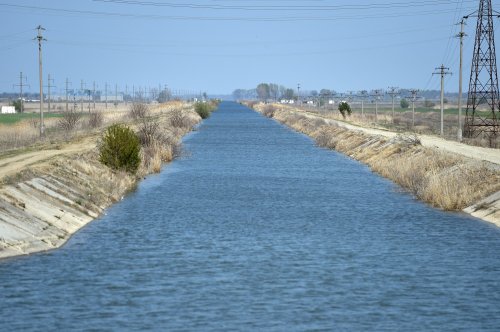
8	110
483	84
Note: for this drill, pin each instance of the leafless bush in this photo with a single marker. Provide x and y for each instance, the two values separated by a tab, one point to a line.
268	111
138	111
151	133
34	123
95	119
251	104
149	130
410	139
69	120
179	120
324	138
484	140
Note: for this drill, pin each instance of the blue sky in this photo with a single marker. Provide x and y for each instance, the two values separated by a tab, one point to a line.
220	45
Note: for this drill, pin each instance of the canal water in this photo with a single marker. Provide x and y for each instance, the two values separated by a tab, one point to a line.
258	229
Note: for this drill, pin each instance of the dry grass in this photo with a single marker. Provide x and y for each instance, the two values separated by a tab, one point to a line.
441	179
425	122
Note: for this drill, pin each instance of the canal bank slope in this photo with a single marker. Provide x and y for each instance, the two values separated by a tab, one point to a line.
48	195
448	175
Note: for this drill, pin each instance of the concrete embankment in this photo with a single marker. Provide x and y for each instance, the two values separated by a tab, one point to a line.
448	178
43	204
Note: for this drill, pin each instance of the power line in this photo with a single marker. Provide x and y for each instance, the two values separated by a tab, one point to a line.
371	6
230	18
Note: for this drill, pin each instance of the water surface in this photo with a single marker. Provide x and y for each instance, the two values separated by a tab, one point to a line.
258	229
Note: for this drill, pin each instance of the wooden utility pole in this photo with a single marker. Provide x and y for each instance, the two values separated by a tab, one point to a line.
21	85
362	95
393	92
93	95
298	93
413	99
106	94
442	72
40	38
82	92
67	91
376	94
49	85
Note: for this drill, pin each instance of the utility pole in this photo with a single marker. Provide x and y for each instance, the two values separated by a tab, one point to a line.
67	89
116	95
40	38
377	96
414	97
362	95
133	93
442	71
106	94
93	95
125	98
393	92
82	92
298	93
49	85
461	35
20	85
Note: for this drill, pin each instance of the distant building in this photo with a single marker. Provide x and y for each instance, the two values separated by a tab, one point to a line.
8	110
110	98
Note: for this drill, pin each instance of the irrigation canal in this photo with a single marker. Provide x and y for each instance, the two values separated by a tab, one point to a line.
258	229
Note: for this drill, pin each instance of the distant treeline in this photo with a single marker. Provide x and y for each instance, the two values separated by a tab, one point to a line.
272	91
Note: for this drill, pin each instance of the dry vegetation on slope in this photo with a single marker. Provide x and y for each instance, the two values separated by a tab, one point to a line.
442	179
46	202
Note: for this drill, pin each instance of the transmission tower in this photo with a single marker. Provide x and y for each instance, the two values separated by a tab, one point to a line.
483	84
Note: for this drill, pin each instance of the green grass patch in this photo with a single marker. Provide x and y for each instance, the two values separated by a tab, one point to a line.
9	119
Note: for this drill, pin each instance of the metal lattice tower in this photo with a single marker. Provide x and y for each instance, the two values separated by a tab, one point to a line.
483	84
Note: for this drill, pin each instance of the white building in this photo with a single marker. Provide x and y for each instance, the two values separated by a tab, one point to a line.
8	110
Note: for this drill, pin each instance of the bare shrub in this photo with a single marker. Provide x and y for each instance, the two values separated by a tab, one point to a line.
251	104
324	138
180	120
34	122
268	111
69	120
151	133
95	119
410	139
138	111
